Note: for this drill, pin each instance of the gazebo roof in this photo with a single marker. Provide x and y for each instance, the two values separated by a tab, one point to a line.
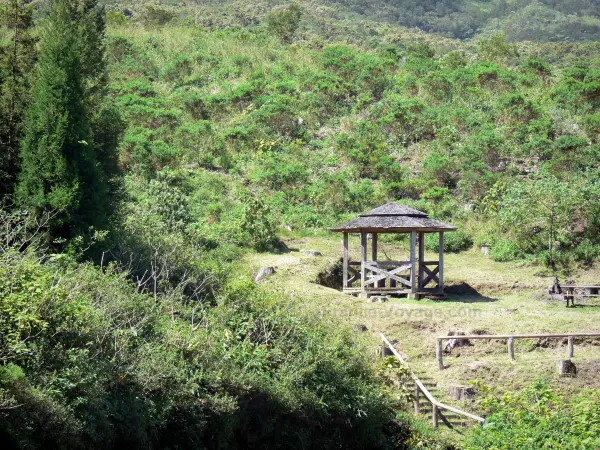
393	218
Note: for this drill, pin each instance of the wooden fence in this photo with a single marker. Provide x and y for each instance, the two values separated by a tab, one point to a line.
510	340
420	388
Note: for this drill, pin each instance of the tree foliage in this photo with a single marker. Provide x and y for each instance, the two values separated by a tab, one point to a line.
59	166
17	59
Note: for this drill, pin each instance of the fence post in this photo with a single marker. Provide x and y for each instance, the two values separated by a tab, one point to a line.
570	347
439	354
416	403
511	348
435	416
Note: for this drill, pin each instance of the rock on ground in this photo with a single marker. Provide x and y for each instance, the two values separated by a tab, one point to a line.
312	253
263	273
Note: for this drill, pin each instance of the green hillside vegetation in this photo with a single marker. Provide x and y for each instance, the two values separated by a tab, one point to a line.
154	155
316	136
522	20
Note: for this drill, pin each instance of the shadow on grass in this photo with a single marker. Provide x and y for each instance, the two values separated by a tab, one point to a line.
465	293
585	305
282	248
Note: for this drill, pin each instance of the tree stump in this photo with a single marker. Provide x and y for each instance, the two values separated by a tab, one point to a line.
566	368
462	393
263	273
456	342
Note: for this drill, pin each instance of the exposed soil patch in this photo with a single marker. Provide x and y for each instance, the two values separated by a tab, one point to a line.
332	276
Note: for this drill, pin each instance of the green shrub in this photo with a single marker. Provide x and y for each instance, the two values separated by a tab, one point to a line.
454	242
505	251
538	417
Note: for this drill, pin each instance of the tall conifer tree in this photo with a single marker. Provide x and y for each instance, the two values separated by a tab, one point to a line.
59	167
17	60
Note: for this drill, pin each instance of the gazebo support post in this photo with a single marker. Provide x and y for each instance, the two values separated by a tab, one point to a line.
441	264
374	240
413	265
346	262
363	261
421	259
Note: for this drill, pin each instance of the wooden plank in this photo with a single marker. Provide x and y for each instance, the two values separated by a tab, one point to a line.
571	347
434	415
432	277
375	267
377	290
384	263
374	246
441	264
439	355
581	286
390	274
363	259
417	405
346	257
511	348
521	336
422	266
413	250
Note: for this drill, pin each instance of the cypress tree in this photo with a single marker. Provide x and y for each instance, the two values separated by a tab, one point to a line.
59	167
17	60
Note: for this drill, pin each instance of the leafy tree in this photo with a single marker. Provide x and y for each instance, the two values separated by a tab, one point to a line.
17	59
284	22
59	167
545	205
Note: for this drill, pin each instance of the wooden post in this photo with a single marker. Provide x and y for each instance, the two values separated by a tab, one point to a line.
346	261
413	266
435	413
571	347
511	348
374	237
421	259
363	261
441	266
439	354
416	403
374	246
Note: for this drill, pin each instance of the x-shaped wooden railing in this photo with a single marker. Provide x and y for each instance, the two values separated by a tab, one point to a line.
381	274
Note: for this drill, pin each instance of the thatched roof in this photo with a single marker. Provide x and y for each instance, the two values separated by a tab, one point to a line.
393	218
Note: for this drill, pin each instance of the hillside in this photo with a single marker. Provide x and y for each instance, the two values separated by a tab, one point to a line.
315	135
524	20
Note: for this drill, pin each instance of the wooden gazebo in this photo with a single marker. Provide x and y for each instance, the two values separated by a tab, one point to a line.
389	277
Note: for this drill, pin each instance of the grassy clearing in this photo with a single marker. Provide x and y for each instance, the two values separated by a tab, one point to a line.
509	299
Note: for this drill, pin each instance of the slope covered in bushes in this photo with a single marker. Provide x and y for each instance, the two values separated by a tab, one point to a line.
501	144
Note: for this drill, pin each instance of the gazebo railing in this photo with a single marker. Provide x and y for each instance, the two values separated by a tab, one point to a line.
395	275
429	273
386	274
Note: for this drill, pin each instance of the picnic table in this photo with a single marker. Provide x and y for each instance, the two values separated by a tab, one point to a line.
581	291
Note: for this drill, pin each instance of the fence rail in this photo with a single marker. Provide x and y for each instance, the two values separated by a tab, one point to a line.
510	341
420	387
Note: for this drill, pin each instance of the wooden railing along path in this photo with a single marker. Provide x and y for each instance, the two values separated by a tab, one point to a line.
510	340
420	388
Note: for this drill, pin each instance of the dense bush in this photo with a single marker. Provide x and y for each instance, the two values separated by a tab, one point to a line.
538	417
91	360
454	242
